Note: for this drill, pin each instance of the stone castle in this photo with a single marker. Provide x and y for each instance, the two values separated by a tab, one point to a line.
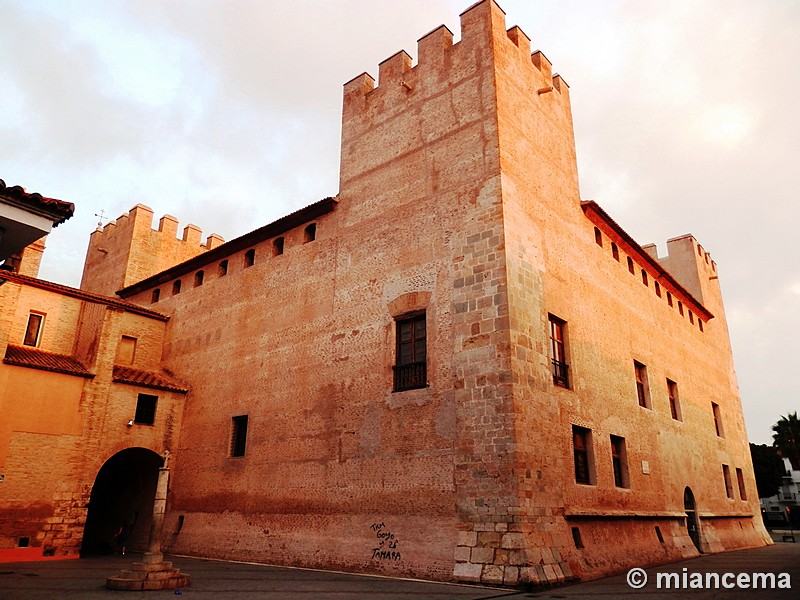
454	369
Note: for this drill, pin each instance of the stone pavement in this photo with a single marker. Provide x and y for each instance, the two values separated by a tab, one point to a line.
84	579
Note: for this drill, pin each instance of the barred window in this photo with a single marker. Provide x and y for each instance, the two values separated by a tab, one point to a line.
410	370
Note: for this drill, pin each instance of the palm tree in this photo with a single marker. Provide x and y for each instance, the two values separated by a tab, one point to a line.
786	438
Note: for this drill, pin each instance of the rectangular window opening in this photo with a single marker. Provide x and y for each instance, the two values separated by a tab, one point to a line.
558	352
644	277
726	474
24	542
630	266
198	278
674	400
410	369
619	459
642	388
740	482
576	537
277	246
238	435
156	296
145	409
658	288
717	420
659	535
33	331
615	251
222	270
249	258
583	455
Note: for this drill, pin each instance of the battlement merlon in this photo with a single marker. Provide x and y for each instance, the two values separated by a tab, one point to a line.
483	21
140	218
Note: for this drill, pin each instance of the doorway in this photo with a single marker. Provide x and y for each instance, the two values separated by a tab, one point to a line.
122	498
692	524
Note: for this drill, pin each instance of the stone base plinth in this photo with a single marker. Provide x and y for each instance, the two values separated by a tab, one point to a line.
148	575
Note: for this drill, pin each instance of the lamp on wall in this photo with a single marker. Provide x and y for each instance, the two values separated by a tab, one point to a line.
130	423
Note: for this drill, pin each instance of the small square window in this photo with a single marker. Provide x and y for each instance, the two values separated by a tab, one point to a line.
33	331
238	435
145	409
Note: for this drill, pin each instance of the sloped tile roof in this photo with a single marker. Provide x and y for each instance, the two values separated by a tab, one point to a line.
23	356
150	379
58	210
80	294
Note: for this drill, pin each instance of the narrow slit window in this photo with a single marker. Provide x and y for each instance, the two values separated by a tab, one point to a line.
669	298
717	420
558	352
644	277
642	391
277	246
674	401
198	278
658	288
156	296
176	287
576	537
680	307
598	237
238	436
615	251
726	474
33	331
630	266
740	481
223	268
691	317
619	461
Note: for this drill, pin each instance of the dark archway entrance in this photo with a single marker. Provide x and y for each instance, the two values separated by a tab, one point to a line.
692	524
122	494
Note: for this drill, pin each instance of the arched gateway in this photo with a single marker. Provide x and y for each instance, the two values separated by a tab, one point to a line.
122	498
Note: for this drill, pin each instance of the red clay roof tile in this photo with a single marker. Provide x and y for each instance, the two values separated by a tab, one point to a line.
149	379
33	358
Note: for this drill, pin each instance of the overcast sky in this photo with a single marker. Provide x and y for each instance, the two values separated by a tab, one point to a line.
226	114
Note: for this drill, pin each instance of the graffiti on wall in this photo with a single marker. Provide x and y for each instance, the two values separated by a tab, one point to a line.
387	544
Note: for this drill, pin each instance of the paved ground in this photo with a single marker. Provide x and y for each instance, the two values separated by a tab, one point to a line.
84	579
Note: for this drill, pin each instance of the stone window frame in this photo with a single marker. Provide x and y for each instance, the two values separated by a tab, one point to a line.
407	306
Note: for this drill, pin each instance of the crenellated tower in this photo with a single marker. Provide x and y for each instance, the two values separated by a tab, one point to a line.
129	249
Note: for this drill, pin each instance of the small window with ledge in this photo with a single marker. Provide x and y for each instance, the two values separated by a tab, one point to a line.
411	369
